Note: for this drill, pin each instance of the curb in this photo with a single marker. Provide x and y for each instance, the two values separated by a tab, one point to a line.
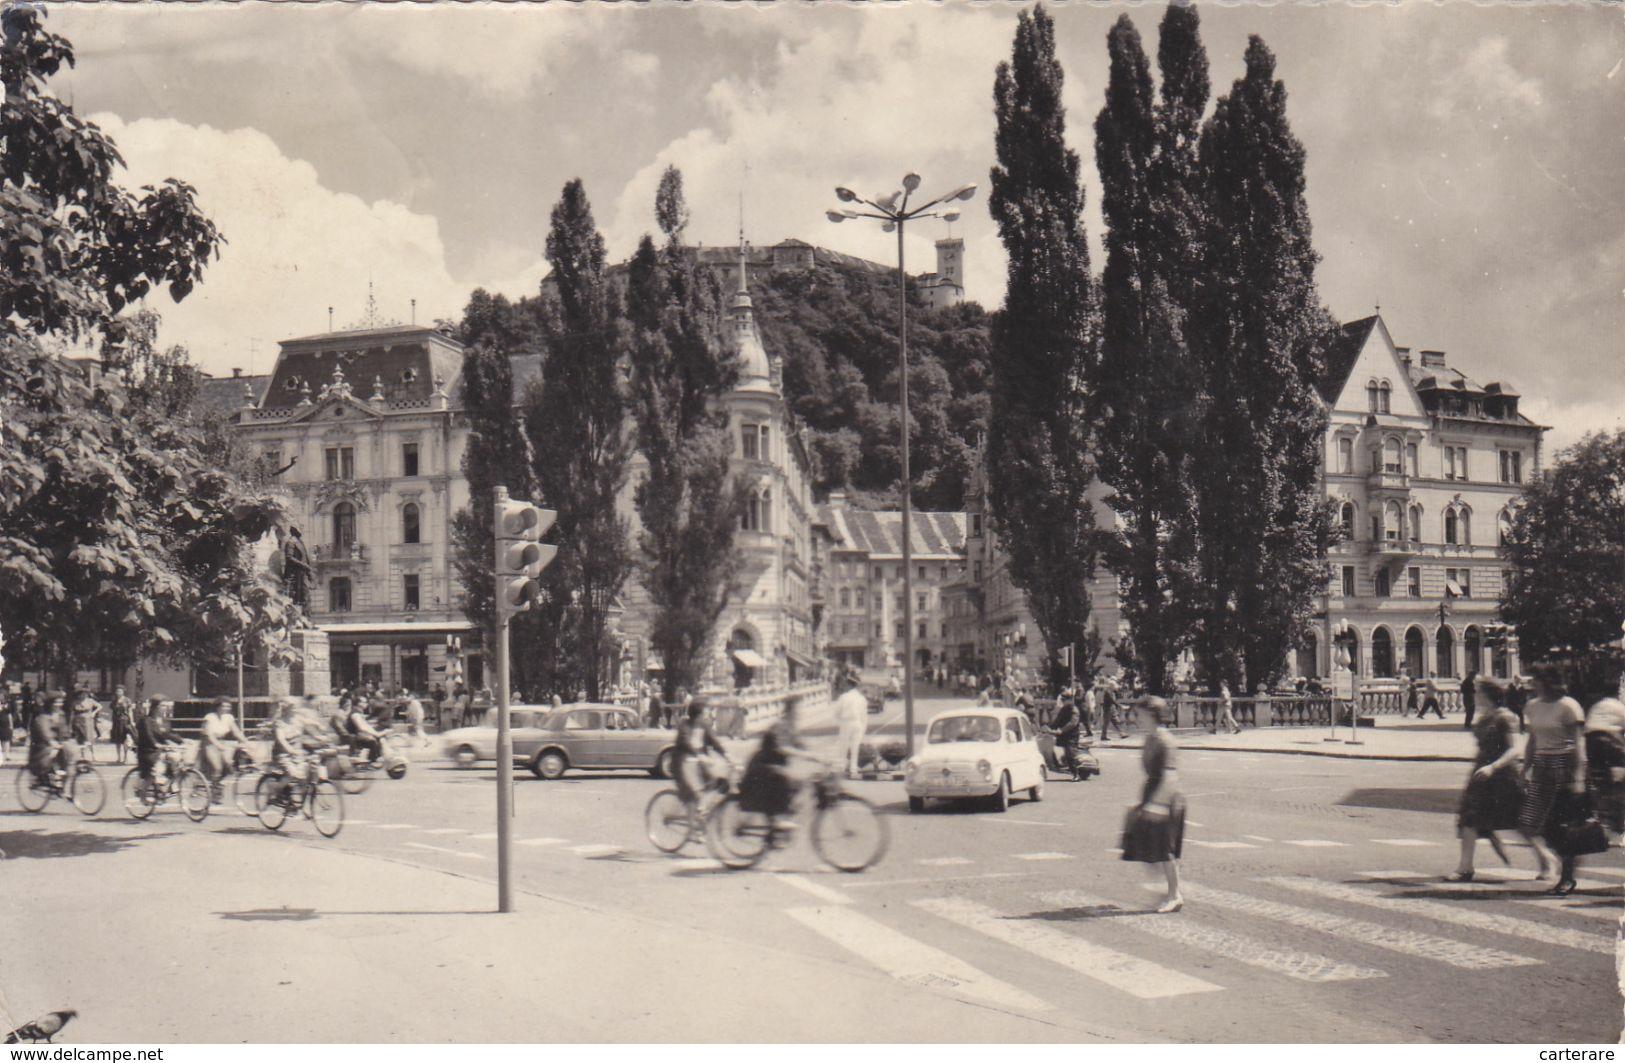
1447	758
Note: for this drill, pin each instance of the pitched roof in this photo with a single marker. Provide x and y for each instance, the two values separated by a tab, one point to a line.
222	395
1345	351
879	533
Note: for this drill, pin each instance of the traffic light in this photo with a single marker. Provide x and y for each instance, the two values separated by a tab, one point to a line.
520	557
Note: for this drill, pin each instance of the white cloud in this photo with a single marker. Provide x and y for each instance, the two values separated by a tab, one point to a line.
844	100
295	247
1571	421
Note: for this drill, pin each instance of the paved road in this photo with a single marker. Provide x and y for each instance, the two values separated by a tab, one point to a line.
1315	909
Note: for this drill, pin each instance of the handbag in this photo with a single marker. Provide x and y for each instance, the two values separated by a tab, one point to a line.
1582	837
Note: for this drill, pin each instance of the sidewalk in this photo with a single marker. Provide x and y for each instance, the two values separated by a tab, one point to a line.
222	937
1393	738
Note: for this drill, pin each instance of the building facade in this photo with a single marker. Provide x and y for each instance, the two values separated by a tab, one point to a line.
863	597
1421	466
367	423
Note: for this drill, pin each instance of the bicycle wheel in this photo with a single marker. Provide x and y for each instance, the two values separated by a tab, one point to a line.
243	786
735	837
273	813
352	778
666	821
325	807
195	793
849	834
139	799
31	794
86	790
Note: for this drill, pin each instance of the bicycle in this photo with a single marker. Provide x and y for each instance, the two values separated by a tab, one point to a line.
671	823
318	800
245	778
847	832
183	782
355	776
82	788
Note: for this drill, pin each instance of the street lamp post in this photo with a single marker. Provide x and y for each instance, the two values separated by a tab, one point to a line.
894	213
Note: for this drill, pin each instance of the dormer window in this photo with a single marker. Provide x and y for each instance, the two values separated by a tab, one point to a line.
293	383
1384	392
408	375
1371	396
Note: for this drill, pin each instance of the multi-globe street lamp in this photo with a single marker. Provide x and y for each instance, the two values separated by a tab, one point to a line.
893	212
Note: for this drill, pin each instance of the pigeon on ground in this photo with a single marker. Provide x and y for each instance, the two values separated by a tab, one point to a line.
41	1029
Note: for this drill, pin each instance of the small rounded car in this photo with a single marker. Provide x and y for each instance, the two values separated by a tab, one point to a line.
985	753
585	736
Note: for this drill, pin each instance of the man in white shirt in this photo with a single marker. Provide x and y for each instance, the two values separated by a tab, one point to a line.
852	716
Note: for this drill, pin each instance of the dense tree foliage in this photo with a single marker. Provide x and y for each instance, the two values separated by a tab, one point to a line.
1566	547
577	424
1143	392
1258	332
688	499
120	532
1045	344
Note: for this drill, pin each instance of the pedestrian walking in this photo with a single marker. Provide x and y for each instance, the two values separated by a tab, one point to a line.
86	710
1493	797
1227	714
1108	712
1086	711
1430	698
123	726
1411	690
852	719
1469	696
1154	830
414	719
1553	764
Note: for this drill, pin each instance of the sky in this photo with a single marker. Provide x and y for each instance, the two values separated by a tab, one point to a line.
1465	161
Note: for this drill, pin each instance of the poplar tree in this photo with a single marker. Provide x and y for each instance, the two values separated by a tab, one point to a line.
1142	391
1259	334
689	500
1043	344
576	420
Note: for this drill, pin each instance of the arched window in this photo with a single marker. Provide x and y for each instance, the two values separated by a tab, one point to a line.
410	531
751	518
338	595
1383	394
1472	643
1503	527
1451	528
1445	652
1346	518
1414	532
1391	456
1345	454
1393	519
1415	654
1371	395
1412	460
343	525
767	510
1464	517
1382	653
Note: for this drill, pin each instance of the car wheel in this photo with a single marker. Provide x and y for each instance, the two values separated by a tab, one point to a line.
466	756
1036	791
549	765
916	804
663	765
1001	798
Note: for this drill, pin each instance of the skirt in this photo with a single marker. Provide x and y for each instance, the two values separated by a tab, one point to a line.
1150	838
1549	776
1492	804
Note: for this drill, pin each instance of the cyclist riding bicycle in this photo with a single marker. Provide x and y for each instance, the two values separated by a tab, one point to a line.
362	736
694	740
46	748
154	741
219	727
291	739
770	784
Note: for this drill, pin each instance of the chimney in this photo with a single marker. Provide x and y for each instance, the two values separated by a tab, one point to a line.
1433	359
236	373
1404	355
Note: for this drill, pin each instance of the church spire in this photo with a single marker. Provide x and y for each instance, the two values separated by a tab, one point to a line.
741	300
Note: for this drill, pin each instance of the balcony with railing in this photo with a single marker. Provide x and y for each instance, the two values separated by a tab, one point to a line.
1390	478
333	554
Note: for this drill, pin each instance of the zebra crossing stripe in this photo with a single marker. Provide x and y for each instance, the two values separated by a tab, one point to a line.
1303	966
1130	974
1450	913
542	841
816	889
1257	838
911	961
580	850
1405	942
398	826
1403	841
1220	845
1043	856
1316	843
945	861
489	835
444	830
1611	872
441	849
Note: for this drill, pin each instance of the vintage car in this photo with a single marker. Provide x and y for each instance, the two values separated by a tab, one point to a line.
986	753
583	735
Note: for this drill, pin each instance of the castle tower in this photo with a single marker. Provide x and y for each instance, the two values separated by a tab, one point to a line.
946	287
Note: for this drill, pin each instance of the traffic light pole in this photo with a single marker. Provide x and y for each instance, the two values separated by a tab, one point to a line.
504	773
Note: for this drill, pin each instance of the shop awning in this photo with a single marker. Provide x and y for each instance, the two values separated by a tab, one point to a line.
803	661
750	658
1453	589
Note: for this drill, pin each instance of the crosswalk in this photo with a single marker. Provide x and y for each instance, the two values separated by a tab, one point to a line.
1298	928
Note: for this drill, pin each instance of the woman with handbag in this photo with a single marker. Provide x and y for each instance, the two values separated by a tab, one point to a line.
1154	831
1554	764
1494	793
